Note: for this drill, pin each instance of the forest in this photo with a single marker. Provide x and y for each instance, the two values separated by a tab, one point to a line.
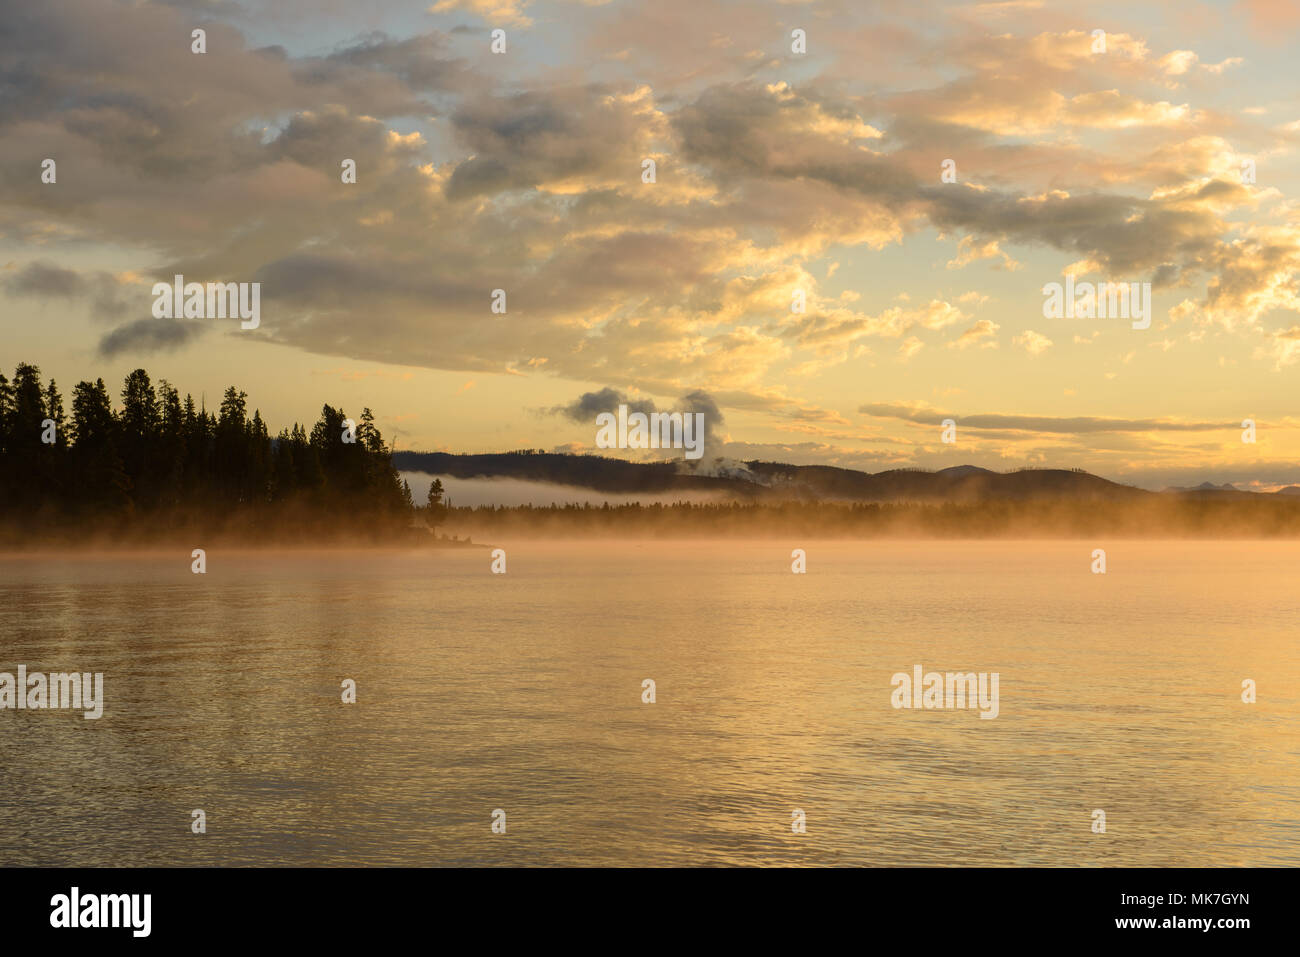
1158	516
157	464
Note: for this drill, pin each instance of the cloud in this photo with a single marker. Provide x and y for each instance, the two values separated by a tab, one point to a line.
1282	347
1076	425
535	185
587	406
1035	343
970	250
147	336
106	294
495	12
909	347
562	139
981	334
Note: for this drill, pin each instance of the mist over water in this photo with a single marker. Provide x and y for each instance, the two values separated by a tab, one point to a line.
523	692
510	492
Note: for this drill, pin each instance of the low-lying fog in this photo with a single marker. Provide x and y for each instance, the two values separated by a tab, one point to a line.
468	493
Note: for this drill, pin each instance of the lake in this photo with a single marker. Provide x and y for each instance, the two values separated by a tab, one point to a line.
522	692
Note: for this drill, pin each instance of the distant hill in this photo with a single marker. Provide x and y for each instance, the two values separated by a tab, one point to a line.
1210	490
965	483
772	481
1207	488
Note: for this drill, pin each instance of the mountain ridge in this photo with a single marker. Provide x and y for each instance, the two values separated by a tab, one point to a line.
758	480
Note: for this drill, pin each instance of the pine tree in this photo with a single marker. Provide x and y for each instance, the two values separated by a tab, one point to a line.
435	512
139	431
102	482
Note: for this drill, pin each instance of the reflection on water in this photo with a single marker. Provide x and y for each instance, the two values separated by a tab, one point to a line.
523	692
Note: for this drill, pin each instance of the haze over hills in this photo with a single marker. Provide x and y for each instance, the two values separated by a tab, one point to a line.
760	481
1207	487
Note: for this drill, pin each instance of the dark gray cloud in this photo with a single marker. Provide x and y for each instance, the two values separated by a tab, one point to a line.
421	62
526	139
146	336
107	297
43	279
587	406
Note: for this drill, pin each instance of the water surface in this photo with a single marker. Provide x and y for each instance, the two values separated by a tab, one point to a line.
523	692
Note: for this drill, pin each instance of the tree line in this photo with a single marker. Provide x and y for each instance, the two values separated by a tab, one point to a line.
163	457
1157	516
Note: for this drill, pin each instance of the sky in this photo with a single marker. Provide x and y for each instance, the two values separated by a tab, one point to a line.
1161	151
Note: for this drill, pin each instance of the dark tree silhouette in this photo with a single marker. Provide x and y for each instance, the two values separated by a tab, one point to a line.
435	511
162	462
